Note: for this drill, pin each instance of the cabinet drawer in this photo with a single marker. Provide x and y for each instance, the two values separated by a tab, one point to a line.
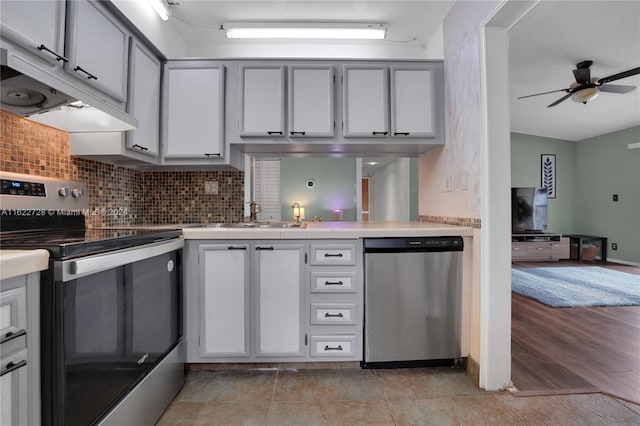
333	282
333	313
539	251
333	254
518	252
333	346
13	311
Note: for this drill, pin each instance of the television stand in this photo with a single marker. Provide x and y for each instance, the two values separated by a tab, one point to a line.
539	247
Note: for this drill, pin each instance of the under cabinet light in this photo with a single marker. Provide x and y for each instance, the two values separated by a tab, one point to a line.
161	7
306	30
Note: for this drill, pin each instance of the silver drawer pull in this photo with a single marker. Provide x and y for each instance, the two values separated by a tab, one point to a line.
333	255
13	366
329	348
333	283
330	315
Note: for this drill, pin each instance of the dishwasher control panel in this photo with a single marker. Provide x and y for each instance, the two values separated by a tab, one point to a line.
407	244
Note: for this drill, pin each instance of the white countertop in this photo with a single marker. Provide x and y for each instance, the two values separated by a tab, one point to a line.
322	230
14	263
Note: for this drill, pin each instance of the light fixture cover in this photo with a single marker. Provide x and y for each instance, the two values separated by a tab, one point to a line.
161	8
585	95
306	30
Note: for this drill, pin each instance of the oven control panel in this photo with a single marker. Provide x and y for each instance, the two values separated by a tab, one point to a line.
17	187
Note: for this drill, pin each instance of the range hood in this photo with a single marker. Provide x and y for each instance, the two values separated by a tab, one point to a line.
37	93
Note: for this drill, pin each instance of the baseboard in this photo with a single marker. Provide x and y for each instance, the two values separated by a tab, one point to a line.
622	262
472	367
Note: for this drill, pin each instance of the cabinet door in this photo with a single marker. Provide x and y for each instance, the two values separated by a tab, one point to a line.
97	48
225	301
311	91
412	112
365	101
194	110
262	100
279	291
36	25
14	384
144	100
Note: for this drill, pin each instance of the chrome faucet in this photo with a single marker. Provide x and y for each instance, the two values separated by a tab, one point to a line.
254	209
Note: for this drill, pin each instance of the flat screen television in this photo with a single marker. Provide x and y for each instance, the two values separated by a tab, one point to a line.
528	210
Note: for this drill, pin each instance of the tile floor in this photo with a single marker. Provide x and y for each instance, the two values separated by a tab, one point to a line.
351	396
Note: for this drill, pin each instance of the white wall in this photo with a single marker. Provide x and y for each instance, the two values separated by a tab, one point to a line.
391	191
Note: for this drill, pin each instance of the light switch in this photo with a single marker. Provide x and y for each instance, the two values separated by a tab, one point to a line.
445	184
211	187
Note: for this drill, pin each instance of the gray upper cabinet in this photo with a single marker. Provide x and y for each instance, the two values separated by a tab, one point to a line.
412	102
311	95
365	101
262	99
35	25
97	48
144	100
193	110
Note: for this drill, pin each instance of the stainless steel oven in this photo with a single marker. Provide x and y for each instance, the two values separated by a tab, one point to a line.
111	320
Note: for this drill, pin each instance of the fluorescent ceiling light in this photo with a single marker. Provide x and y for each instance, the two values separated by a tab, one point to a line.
161	8
306	30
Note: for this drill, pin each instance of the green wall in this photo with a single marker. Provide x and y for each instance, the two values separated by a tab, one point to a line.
525	171
588	173
334	186
606	166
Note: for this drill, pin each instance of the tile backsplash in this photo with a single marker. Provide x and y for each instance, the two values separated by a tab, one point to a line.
139	197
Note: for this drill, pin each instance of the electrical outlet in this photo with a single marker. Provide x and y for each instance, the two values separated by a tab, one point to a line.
615	197
614	246
211	187
445	184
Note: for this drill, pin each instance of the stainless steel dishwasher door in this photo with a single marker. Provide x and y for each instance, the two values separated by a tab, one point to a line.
412	306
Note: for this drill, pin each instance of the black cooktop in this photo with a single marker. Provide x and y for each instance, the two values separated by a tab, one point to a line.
66	244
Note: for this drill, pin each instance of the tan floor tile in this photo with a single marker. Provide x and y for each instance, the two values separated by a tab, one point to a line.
233	413
327	385
487	410
333	413
180	414
240	385
424	383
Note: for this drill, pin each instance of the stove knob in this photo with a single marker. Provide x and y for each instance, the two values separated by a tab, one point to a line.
64	192
77	193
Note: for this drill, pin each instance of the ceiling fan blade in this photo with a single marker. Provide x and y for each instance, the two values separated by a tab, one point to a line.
619	75
562	99
582	75
616	88
544	93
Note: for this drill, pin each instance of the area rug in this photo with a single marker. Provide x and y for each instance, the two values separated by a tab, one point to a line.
570	287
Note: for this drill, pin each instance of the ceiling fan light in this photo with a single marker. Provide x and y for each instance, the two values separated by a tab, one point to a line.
585	95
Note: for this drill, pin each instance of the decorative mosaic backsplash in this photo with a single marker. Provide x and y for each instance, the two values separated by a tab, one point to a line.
469	222
135	197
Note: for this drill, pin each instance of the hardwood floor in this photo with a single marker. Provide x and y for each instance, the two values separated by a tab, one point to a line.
575	350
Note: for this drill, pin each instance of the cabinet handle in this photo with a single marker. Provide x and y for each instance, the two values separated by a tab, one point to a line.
10	335
380	133
298	133
333	283
329	348
333	255
274	133
58	57
236	248
212	154
401	134
140	147
13	366
89	75
330	315
264	248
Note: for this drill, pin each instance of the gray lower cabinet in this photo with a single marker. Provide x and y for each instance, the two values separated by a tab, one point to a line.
254	301
20	350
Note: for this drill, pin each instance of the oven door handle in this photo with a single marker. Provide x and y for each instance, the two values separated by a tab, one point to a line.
72	269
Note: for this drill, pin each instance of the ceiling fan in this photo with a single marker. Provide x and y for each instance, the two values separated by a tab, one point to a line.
586	88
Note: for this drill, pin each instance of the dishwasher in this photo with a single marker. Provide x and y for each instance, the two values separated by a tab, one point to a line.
412	301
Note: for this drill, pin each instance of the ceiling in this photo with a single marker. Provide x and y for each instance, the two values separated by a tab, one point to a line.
545	45
544	48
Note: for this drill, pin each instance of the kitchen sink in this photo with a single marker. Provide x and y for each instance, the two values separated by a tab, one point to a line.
257	225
